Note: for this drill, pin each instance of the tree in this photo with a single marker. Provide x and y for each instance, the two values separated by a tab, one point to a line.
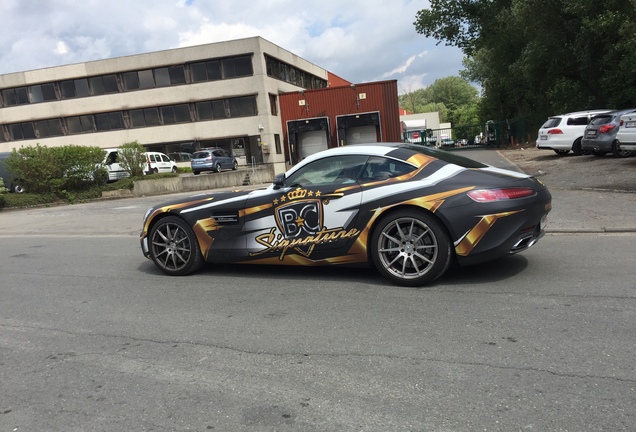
541	57
132	159
446	95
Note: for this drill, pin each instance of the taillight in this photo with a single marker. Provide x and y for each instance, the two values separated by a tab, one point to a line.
490	195
555	131
606	128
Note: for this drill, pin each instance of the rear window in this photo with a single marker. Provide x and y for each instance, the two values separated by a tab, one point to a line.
601	120
200	155
450	157
552	122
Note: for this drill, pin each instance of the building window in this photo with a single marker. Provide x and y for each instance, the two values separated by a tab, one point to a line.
131	81
242	107
109	121
151	115
277	143
74	88
49	128
162	77
80	124
42	93
237	67
20	131
103	85
204	110
81	87
273	104
146	79
282	71
15	96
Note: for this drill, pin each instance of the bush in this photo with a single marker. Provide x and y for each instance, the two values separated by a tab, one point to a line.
132	159
52	170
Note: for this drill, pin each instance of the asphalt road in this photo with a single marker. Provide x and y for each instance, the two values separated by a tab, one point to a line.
94	338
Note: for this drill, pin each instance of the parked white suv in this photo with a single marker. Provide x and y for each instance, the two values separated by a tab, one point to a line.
626	135
564	132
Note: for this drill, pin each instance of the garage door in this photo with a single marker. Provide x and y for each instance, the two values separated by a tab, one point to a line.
361	134
312	142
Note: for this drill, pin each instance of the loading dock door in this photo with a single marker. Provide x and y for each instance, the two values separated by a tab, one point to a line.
311	142
361	134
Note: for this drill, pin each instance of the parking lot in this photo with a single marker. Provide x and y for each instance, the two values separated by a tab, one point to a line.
94	338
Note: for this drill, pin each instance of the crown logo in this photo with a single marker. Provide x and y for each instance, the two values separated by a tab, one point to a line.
296	194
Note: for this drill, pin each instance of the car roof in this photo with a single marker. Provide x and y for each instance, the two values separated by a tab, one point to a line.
580	113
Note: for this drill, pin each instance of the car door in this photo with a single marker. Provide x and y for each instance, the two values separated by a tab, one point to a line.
312	216
164	163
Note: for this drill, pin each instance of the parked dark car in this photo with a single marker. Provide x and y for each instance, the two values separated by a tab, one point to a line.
406	209
11	183
212	159
599	137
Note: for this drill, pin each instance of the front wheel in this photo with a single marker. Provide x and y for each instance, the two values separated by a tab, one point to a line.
217	168
235	166
174	169
174	247
410	248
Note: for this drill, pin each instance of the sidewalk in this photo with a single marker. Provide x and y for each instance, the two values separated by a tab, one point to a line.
585	211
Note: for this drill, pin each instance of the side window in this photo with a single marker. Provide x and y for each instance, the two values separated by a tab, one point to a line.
165	158
578	121
337	170
218	153
381	168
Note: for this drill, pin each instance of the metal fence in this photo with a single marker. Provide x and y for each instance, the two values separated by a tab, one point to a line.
493	134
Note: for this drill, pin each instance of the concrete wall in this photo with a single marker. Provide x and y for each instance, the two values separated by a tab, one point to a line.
263	174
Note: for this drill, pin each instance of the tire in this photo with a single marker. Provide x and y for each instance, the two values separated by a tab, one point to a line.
235	166
410	248
562	152
196	172
17	188
174	247
217	168
576	148
155	171
174	169
616	151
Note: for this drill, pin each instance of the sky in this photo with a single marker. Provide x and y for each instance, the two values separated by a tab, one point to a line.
358	40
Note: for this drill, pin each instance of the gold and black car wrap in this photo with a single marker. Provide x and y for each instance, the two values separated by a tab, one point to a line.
408	210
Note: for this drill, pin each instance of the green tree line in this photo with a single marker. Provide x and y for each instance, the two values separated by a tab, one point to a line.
534	58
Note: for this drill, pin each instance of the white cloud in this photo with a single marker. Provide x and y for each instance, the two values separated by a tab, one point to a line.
365	41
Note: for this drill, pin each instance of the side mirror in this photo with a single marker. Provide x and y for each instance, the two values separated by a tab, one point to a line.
279	181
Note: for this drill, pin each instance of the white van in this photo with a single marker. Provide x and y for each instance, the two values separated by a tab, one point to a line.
156	162
111	163
159	163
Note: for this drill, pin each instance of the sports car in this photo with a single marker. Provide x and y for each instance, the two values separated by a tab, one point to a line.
405	209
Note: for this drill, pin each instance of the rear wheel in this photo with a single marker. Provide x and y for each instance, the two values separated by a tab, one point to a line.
562	152
576	147
196	172
235	166
174	247
616	151
17	188
217	168
410	248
